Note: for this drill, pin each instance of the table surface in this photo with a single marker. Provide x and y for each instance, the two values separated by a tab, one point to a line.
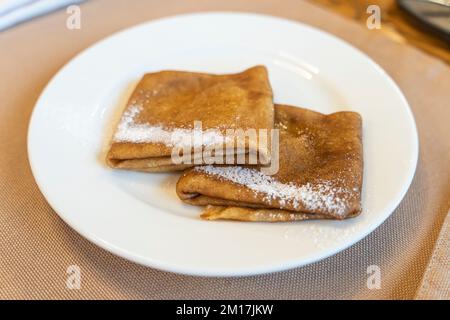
395	23
37	248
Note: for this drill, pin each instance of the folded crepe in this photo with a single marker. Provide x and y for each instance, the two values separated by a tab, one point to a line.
319	176
168	108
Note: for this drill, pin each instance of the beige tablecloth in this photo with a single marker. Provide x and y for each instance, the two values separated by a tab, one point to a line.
36	247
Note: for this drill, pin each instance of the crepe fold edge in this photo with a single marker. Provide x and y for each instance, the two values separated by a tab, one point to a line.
165	163
256	215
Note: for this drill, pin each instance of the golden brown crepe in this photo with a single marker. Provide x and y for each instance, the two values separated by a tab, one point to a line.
319	177
168	106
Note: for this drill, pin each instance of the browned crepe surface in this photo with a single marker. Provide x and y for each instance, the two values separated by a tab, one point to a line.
320	173
174	100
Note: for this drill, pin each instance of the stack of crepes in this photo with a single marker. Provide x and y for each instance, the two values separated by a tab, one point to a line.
319	157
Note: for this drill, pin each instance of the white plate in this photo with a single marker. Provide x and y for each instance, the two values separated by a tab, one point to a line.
138	216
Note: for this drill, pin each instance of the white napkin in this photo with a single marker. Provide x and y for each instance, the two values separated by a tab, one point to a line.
13	12
9	5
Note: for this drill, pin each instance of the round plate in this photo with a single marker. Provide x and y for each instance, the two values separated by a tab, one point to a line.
138	215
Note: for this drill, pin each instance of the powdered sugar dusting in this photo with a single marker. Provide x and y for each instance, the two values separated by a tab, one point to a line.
321	235
130	131
322	197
